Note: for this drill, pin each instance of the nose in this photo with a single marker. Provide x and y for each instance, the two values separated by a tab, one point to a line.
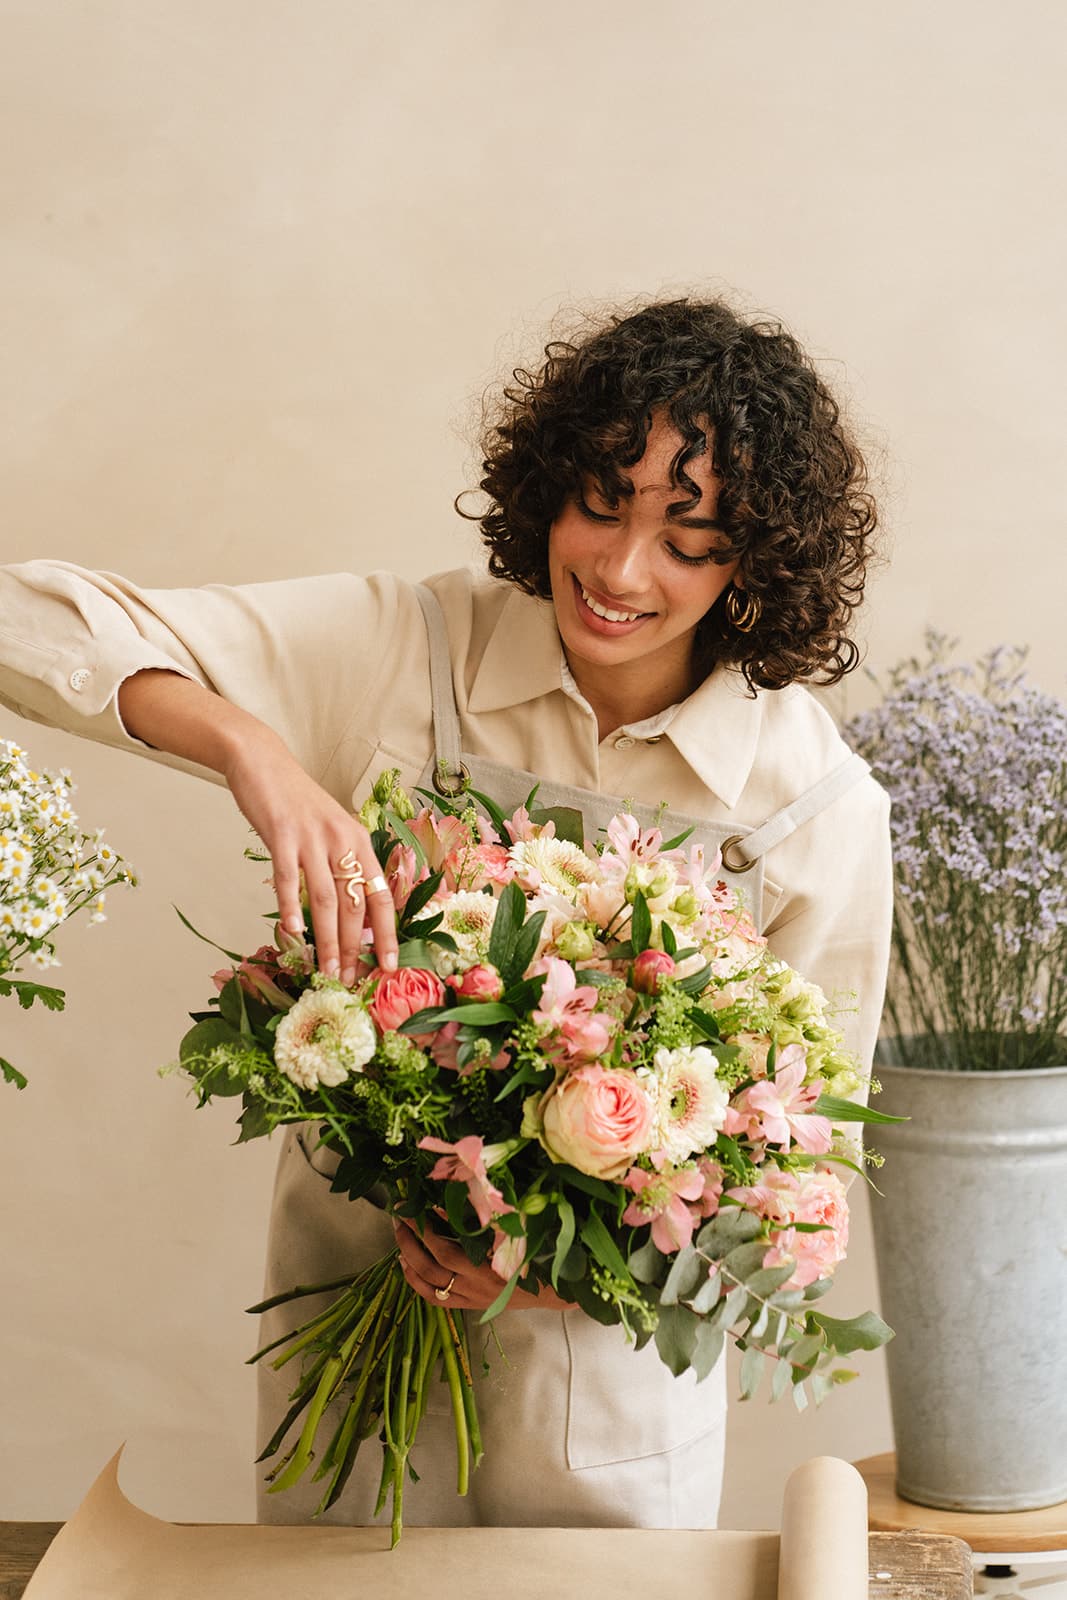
621	570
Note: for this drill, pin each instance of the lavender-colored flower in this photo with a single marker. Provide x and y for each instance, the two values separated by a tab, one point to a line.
975	761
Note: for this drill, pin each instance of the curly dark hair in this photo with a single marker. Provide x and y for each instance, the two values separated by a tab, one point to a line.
794	503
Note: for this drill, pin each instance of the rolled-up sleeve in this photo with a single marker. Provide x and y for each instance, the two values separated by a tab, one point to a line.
299	654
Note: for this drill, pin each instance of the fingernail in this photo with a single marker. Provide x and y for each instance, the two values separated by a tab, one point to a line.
389	961
331	969
294	924
348	977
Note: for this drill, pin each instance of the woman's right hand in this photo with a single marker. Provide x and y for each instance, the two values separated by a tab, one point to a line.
306	830
303	827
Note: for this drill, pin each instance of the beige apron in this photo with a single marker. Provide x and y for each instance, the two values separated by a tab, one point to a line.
579	1429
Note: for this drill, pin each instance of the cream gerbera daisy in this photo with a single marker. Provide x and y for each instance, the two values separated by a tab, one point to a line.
323	1038
467	917
691	1102
552	864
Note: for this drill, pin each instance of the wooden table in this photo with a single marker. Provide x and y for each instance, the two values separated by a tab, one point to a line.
914	1566
987	1532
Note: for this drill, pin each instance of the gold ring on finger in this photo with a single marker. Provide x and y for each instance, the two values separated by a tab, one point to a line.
377	884
443	1293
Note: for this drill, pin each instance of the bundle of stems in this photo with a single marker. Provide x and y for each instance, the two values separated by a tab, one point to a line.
375	1350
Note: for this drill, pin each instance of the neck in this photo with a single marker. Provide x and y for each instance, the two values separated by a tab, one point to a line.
629	692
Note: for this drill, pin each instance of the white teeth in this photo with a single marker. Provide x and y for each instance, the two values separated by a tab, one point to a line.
609	616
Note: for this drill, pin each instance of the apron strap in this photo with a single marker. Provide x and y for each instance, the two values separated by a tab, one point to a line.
450	777
807	805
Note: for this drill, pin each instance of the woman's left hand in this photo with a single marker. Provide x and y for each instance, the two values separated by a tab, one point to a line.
433	1262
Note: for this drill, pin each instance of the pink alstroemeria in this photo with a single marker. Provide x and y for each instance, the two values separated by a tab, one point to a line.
257	974
508	1253
779	1109
445	841
659	1198
464	1162
567	1009
712	1174
402	873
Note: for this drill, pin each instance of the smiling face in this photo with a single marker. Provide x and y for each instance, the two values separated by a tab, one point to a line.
630	582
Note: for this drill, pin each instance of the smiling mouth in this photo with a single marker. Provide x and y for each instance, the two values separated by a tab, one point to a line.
607	613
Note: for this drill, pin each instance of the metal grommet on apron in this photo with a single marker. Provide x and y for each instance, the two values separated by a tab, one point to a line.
579	1428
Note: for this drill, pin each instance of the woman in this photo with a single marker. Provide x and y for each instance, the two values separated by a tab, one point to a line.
681	528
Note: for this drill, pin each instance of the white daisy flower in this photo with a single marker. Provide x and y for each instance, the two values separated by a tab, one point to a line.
10	806
553	864
323	1038
42	959
467	917
691	1102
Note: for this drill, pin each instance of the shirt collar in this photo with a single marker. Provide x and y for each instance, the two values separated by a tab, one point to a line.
716	730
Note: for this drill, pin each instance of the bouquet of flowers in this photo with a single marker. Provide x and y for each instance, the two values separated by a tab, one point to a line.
975	760
589	1061
49	869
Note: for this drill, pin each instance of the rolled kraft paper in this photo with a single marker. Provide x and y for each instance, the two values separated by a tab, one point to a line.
823	1549
111	1550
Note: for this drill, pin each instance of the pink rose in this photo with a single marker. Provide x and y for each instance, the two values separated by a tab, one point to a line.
598	1120
480	982
648	968
400	994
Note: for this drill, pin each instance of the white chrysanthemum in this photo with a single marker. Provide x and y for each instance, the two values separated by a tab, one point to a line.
554	863
323	1038
691	1102
10	807
467	917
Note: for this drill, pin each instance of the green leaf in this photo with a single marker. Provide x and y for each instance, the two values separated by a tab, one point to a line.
11	1074
696	982
805	1353
525	947
602	1246
752	1364
27	993
705	1022
840	1110
593	1186
415	953
480	1013
865	1332
678	840
647	1263
510	910
492	811
708	1295
565	1237
800	1397
421	896
745	1260
821	1384
570	824
767	1279
405	835
727	1229
687	1269
641	924
783	1377
232	954
670	943
676	1337
501	1300
254	1122
707	1349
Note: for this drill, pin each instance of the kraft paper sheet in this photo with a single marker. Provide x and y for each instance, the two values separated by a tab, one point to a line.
111	1550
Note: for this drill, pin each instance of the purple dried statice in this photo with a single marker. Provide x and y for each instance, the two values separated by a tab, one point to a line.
975	761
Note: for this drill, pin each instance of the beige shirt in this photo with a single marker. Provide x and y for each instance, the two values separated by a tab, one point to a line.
338	666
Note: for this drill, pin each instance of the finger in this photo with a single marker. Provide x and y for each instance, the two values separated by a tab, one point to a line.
351	909
322	898
381	913
286	876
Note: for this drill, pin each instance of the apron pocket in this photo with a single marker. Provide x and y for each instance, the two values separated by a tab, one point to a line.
624	1404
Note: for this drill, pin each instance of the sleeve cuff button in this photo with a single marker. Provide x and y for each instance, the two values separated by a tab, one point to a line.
79	678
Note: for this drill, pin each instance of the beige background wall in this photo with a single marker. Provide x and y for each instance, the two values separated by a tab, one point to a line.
260	258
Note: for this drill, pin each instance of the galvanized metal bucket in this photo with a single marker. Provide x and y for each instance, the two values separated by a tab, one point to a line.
971	1241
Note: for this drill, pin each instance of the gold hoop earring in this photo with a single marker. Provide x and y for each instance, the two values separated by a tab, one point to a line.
743	616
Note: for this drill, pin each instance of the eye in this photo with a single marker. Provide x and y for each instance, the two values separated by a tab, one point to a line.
587	511
692	561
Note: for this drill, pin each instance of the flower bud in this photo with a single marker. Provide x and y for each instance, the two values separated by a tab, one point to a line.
480	982
685	905
576	941
534	1204
649	969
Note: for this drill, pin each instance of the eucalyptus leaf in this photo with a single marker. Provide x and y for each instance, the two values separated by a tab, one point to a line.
752	1364
706	1350
647	1264
782	1378
745	1260
728	1228
676	1336
686	1271
821	1384
865	1332
708	1295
